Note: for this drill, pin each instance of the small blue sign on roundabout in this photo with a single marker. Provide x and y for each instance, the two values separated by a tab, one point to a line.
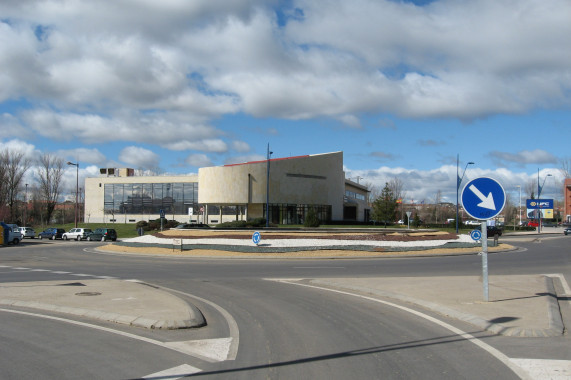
476	235
256	238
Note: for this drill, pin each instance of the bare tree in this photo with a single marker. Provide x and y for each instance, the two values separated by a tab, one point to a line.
3	186
396	186
530	188
15	166
566	168
437	205
50	172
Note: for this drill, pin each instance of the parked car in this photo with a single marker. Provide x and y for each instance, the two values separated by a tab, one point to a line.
10	235
51	233
472	223
77	233
567	231
492	230
102	234
27	232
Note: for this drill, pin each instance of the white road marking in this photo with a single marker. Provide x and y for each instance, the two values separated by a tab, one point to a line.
61	272
174	373
564	283
40	270
169	345
81	275
546	369
211	350
20	268
232	325
522	373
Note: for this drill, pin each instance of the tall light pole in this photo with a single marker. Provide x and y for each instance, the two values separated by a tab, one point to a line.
76	164
26	205
518	186
269	154
539	188
458	183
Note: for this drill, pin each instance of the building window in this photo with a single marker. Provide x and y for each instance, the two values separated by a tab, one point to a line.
295	214
150	198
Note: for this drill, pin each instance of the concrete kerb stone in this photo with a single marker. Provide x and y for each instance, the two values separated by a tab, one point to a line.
195	320
186	314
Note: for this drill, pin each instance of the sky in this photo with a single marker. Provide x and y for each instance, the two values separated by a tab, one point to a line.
403	88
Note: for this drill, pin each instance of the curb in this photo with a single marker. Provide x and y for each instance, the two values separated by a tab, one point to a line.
555	328
195	319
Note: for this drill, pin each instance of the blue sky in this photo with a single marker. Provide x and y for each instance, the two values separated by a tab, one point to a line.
401	87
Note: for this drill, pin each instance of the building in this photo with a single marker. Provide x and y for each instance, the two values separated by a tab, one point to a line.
231	192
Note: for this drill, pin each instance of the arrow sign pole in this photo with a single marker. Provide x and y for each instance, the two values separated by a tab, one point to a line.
487	202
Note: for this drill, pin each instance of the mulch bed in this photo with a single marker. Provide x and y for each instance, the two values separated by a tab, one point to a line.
363	237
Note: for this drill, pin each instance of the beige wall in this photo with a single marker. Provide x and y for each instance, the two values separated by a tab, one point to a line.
313	179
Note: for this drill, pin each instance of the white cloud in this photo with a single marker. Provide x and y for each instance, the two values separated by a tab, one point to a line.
85	155
16	145
240	146
423	185
139	158
198	160
537	156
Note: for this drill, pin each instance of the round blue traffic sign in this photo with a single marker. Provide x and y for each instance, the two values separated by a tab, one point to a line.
483	198
476	235
256	237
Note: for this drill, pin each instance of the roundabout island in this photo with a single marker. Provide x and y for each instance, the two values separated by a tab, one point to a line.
279	243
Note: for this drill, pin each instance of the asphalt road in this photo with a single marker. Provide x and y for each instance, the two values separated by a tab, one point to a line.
284	331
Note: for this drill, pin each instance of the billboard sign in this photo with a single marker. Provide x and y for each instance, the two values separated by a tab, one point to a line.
534	204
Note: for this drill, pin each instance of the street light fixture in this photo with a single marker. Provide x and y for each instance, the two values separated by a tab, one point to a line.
269	154
539	188
76	164
518	186
26	205
458	183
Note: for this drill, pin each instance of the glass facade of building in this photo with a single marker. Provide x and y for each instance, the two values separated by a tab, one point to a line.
150	198
295	214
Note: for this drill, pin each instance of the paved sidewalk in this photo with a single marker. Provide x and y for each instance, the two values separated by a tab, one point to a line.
125	302
519	305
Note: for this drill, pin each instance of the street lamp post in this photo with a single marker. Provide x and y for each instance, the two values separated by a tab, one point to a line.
269	154
76	164
25	205
539	188
518	186
458	183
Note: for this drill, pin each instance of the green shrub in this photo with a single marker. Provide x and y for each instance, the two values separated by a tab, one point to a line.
311	219
251	223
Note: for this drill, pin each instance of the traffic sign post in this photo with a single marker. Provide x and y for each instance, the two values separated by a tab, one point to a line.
483	198
256	238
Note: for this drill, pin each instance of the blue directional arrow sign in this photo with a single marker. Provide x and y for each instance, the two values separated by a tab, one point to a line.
483	198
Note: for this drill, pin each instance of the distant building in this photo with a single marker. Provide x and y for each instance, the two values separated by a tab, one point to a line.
231	192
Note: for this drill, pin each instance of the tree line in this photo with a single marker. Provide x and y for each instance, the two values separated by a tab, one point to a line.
16	196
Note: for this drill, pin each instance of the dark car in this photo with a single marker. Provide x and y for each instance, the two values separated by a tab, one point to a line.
567	231
492	230
102	234
51	233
